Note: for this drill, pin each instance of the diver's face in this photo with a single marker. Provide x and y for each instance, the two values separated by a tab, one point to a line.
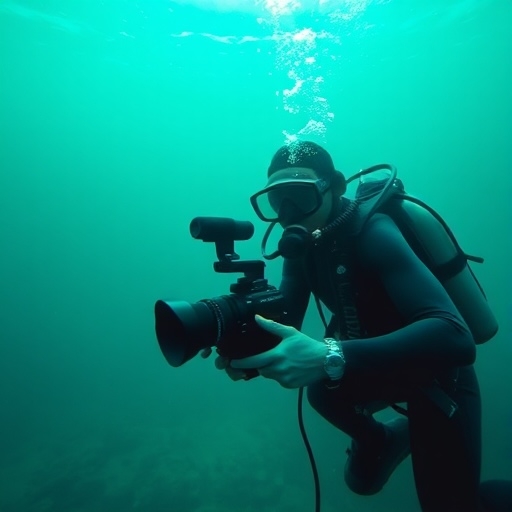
318	219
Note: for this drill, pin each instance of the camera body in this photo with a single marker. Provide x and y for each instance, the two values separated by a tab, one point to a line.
226	322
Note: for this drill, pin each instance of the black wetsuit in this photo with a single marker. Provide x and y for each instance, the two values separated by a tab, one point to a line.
413	333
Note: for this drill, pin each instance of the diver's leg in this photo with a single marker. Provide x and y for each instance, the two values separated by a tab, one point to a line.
496	496
446	452
338	407
376	448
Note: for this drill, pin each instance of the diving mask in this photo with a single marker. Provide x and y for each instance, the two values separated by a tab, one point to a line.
289	199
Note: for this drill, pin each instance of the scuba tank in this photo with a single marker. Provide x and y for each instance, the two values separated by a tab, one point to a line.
429	236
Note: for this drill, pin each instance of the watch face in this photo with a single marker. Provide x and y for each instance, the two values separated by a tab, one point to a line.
334	361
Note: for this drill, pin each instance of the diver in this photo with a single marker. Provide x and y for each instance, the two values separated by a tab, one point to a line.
395	337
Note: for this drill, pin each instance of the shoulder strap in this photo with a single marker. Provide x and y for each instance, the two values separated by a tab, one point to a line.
348	318
345	323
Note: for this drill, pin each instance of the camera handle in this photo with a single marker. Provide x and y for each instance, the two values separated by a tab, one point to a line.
253	270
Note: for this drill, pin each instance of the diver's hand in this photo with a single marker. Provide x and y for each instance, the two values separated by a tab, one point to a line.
297	361
222	363
206	352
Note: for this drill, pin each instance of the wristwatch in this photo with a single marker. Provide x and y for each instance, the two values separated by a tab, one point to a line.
334	363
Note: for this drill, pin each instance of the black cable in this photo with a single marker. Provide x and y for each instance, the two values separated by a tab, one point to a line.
310	452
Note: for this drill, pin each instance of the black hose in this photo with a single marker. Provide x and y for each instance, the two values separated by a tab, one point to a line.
310	452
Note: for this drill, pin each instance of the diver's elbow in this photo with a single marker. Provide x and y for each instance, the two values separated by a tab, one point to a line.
469	354
466	348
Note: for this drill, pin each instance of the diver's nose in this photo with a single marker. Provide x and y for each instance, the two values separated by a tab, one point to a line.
289	213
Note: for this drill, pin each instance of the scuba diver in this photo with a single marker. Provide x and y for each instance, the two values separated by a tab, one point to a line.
399	333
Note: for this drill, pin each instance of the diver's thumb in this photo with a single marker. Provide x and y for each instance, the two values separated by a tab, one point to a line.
276	328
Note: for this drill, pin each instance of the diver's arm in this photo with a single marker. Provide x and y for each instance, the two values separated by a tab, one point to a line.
435	335
295	291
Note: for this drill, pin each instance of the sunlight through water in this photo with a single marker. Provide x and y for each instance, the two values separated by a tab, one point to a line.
299	41
302	52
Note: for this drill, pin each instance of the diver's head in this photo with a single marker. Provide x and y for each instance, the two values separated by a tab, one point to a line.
303	187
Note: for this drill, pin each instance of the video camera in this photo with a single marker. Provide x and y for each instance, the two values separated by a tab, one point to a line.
226	322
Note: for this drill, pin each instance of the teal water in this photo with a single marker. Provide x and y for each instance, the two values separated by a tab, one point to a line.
120	122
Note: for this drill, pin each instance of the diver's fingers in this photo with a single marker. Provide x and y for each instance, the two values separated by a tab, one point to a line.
235	373
221	363
206	352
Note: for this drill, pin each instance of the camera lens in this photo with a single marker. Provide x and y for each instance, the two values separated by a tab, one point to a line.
183	329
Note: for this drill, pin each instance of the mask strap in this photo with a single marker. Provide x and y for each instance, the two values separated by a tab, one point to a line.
275	254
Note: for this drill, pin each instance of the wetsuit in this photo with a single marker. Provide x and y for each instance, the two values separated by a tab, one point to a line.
411	334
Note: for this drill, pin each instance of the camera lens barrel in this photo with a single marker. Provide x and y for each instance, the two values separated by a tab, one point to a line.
227	322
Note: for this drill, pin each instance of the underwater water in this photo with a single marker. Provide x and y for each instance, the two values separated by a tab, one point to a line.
121	121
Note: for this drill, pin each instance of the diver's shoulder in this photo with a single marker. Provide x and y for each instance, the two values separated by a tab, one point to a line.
378	222
378	233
